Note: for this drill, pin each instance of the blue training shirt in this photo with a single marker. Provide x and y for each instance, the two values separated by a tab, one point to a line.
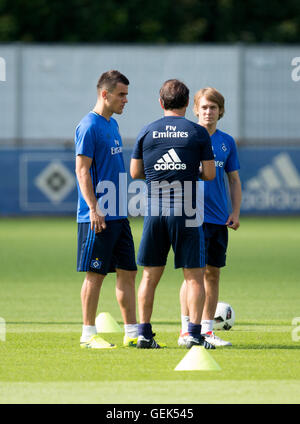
215	195
171	149
100	140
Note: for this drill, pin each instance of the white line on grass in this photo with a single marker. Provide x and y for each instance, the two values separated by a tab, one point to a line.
138	392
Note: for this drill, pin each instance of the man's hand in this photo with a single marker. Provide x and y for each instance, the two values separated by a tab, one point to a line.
233	222
235	190
97	221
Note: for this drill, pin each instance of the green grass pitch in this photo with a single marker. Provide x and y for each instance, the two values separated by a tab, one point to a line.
41	361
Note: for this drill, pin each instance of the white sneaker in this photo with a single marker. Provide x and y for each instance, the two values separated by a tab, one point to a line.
215	340
182	338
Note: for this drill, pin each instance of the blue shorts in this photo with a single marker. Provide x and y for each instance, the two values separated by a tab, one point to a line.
216	242
104	252
162	232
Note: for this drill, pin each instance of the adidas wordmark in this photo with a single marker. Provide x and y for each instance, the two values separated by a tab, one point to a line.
170	161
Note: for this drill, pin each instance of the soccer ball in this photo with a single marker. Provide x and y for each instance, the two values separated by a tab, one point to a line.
224	317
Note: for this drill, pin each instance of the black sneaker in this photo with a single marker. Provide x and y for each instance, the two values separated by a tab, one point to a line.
143	343
193	341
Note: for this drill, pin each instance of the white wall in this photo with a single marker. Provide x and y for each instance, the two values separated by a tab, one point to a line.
49	88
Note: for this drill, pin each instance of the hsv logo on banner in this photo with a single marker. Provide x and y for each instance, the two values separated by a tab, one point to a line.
47	182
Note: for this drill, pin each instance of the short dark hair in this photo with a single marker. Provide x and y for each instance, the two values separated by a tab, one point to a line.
174	94
110	79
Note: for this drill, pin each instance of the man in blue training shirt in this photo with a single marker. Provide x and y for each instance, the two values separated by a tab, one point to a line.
209	108
168	154
105	241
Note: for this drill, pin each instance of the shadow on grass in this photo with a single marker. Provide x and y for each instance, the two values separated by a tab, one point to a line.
261	323
43	323
265	347
78	323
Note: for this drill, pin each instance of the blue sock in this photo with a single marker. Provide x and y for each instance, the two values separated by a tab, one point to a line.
145	330
194	330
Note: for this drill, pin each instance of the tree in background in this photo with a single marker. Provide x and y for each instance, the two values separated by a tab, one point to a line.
164	21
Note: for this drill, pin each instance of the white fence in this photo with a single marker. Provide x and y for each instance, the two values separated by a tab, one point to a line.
49	88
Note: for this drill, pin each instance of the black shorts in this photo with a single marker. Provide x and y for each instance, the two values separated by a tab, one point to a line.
162	232
104	252
216	242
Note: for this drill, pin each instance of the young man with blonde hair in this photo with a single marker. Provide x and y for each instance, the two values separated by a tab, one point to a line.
209	108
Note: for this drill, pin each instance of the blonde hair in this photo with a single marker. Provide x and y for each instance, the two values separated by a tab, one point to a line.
212	95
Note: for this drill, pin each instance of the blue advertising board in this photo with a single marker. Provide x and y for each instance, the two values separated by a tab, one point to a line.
42	181
270	181
37	181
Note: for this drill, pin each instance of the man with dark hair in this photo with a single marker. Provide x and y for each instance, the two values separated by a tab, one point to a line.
105	241
110	79
168	154
174	94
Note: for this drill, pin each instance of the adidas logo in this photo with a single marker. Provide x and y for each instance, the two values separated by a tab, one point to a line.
282	173
276	187
170	161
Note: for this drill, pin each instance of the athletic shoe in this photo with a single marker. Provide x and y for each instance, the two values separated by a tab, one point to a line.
96	342
193	341
211	338
129	342
143	343
182	338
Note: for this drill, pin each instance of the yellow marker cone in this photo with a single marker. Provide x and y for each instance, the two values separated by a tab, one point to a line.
105	323
198	359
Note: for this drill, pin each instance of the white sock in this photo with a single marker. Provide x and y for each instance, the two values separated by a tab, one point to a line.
87	332
184	323
131	330
207	325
